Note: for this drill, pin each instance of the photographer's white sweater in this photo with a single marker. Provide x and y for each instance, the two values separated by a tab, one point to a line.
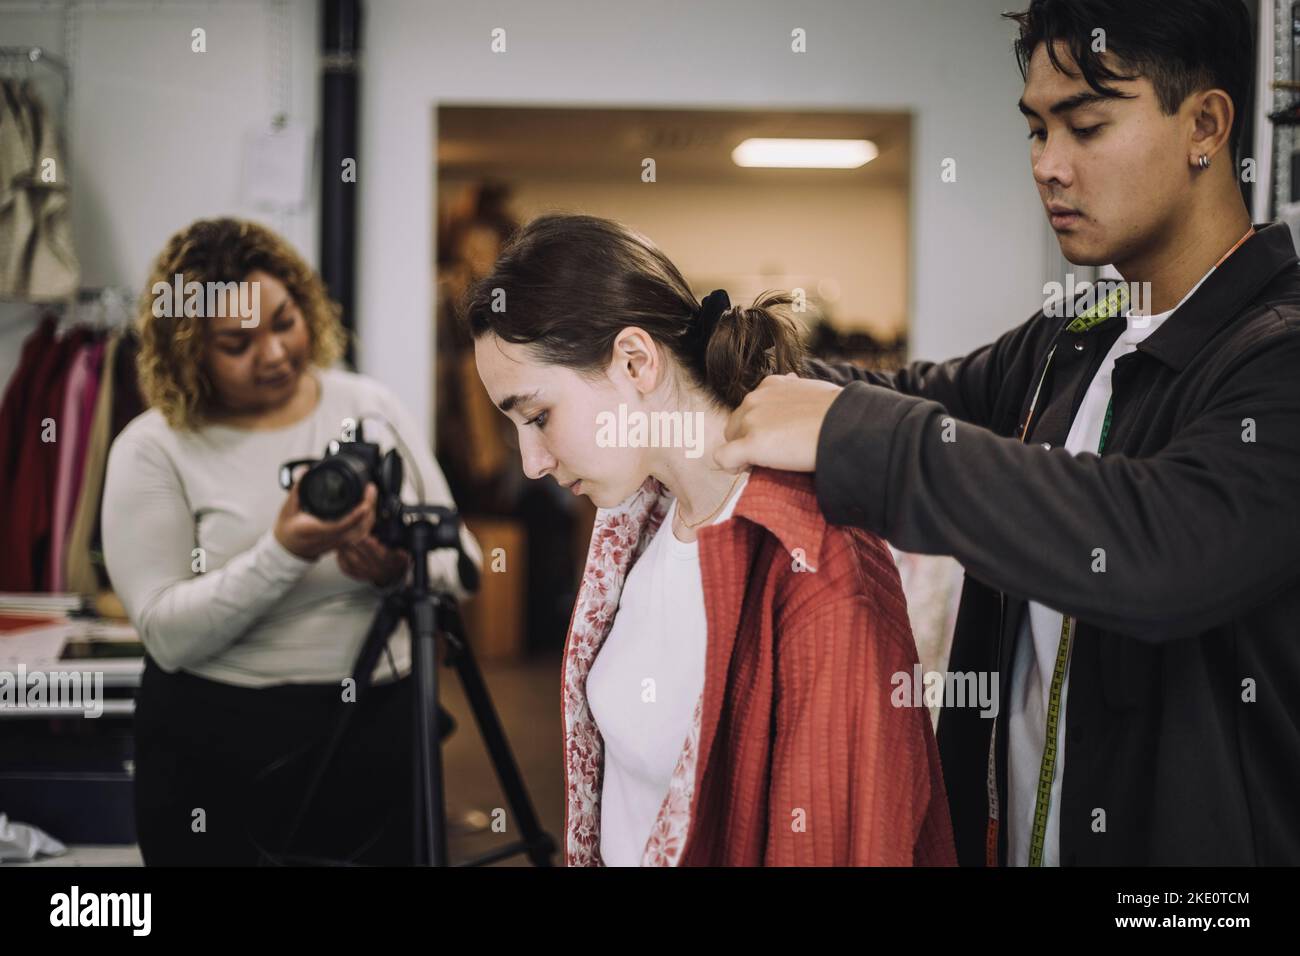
187	519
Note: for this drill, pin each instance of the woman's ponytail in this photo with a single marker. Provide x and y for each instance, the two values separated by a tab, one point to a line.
745	345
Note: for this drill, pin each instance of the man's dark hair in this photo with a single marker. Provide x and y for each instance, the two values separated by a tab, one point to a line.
1181	46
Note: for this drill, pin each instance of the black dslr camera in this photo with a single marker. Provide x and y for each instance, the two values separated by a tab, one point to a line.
335	484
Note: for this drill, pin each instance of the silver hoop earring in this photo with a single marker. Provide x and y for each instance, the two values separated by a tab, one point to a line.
1204	161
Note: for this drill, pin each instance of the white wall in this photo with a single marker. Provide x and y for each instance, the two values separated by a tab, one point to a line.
155	128
978	252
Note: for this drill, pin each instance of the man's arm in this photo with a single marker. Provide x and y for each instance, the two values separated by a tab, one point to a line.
1190	537
966	386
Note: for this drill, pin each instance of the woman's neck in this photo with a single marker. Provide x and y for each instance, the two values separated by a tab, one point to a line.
293	410
699	485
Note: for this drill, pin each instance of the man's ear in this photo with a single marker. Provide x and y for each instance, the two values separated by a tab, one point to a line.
636	360
1213	114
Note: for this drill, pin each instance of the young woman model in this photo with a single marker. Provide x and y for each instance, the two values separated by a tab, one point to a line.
731	660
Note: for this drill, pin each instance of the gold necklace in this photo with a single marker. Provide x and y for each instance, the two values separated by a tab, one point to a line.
725	498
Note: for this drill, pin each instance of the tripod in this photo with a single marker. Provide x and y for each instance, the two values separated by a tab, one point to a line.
430	614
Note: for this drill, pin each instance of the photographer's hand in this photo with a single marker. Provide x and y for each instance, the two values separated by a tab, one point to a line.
369	560
309	537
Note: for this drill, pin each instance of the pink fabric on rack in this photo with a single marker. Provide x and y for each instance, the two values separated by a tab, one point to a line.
73	435
90	399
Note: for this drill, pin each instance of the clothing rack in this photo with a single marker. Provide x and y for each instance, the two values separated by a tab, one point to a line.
103	307
35	54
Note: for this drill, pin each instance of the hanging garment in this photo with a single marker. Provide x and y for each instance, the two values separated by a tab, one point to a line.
78	409
127	404
29	495
37	349
932	583
37	259
40	349
79	572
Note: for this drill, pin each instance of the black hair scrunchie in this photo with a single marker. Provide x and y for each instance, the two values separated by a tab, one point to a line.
711	309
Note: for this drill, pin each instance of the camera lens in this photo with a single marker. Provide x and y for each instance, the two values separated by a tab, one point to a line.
333	487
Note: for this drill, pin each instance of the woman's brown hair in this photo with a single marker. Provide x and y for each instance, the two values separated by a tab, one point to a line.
566	285
169	363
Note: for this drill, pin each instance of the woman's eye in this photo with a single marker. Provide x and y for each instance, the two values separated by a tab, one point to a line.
1038	134
1086	132
538	420
237	350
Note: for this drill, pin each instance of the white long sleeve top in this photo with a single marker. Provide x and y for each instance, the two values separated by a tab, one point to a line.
187	530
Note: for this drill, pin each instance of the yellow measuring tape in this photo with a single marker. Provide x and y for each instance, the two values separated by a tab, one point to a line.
1110	307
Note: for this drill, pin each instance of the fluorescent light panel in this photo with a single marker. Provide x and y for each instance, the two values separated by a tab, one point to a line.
805	153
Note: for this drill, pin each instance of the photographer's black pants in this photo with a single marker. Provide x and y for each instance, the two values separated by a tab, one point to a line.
244	756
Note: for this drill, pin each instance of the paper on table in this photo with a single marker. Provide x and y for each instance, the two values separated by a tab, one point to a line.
41	648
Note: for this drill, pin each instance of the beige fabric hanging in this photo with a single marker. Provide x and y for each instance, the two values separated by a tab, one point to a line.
37	260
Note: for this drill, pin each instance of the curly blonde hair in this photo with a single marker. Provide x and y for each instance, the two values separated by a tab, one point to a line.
169	361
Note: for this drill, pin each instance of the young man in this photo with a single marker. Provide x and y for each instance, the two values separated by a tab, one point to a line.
1139	604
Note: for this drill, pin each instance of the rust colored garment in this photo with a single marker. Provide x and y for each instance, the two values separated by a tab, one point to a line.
797	756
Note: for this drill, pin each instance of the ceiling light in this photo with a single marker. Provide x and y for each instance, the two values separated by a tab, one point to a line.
805	153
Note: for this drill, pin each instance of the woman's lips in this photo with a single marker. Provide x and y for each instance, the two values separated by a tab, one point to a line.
278	382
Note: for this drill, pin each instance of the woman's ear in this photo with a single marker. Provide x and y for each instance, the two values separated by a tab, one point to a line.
637	360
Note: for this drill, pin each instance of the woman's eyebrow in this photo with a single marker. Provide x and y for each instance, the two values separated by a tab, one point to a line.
510	401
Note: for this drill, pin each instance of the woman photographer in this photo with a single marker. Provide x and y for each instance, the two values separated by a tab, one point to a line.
252	610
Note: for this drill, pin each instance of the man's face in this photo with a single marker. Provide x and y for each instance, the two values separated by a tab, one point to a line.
1111	172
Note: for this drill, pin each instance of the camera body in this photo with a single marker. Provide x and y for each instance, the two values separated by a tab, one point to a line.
335	483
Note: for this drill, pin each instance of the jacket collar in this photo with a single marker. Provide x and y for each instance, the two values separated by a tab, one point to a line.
1222	296
785	503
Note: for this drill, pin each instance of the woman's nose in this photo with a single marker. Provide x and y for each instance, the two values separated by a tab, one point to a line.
537	461
274	350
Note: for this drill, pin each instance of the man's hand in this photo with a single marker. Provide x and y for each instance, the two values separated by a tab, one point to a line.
368	560
777	425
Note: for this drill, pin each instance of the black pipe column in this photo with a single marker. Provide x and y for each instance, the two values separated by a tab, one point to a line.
340	60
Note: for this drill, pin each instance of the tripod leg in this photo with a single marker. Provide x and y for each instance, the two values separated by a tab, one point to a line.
539	844
381	628
430	814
